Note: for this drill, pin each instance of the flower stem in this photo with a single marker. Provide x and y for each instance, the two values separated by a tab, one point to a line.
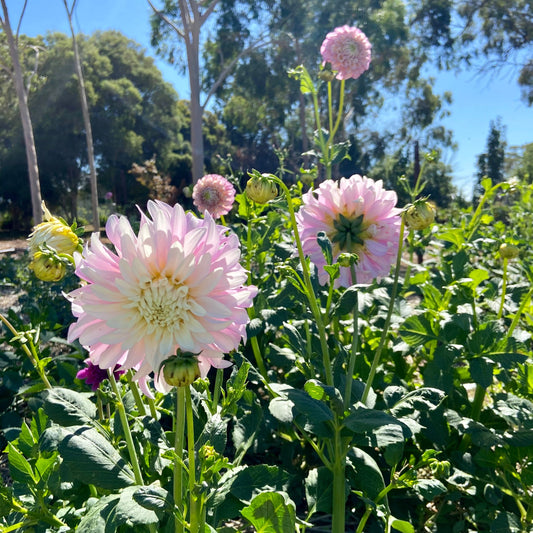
355	343
339	482
179	438
385	331
504	286
126	428
32	354
136	394
216	391
195	510
313	304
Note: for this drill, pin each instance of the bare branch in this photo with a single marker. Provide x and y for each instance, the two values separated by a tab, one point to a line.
167	20
205	15
20	21
37	50
224	74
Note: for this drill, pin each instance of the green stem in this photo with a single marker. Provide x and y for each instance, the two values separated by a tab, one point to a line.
504	286
136	394
339	482
179	439
355	343
216	391
256	349
195	510
313	304
477	403
339	113
32	354
385	331
126	428
523	305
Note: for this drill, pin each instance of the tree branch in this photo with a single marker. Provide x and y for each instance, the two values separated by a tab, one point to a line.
208	11
20	21
163	17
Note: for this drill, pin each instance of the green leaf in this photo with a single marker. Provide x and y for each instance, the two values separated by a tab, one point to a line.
320	391
481	370
429	488
319	489
418	400
325	245
271	512
214	433
69	408
90	458
19	467
365	473
417	330
505	523
346	302
245	430
154	498
362	420
402	526
294	405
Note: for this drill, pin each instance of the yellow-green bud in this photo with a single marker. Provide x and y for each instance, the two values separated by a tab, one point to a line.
420	215
345	259
261	189
509	251
53	233
47	266
181	370
326	74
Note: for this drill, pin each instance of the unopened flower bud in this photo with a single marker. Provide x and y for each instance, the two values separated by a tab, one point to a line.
325	73
346	260
261	189
55	234
181	370
47	266
420	215
509	251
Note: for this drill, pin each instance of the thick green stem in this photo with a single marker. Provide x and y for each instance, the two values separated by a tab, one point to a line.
477	403
504	286
195	503
179	439
126	428
313	303
355	343
32	354
525	302
339	482
385	331
136	394
216	391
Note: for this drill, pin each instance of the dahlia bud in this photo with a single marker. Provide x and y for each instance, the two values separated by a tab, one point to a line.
420	215
509	251
346	260
55	234
261	189
181	370
326	73
47	266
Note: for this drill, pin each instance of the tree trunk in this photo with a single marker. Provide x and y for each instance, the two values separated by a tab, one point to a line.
22	96
86	123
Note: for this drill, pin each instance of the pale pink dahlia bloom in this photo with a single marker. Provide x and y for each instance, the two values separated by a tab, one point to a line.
215	194
178	284
358	216
348	51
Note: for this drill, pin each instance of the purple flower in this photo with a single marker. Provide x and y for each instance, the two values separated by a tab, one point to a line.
215	194
93	375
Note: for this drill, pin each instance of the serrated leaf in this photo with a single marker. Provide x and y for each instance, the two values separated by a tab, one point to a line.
90	458
271	512
481	371
214	433
154	498
417	330
69	408
19	467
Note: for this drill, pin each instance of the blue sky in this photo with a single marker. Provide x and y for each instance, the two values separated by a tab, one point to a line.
476	99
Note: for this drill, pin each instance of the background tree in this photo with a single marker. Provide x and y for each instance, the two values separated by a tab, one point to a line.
180	23
86	118
135	115
491	163
22	90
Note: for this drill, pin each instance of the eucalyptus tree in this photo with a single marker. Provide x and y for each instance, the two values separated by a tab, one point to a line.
22	89
182	24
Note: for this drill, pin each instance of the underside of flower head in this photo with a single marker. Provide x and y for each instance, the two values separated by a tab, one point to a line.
359	217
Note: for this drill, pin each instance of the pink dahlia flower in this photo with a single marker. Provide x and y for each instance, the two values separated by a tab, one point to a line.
348	51
215	194
358	216
178	284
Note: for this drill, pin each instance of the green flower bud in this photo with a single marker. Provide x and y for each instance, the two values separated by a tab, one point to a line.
181	370
509	251
47	266
326	74
420	215
346	260
261	189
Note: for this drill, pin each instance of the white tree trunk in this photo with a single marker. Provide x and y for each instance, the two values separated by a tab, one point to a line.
22	96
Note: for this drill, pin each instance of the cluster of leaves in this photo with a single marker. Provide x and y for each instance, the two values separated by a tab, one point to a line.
443	443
